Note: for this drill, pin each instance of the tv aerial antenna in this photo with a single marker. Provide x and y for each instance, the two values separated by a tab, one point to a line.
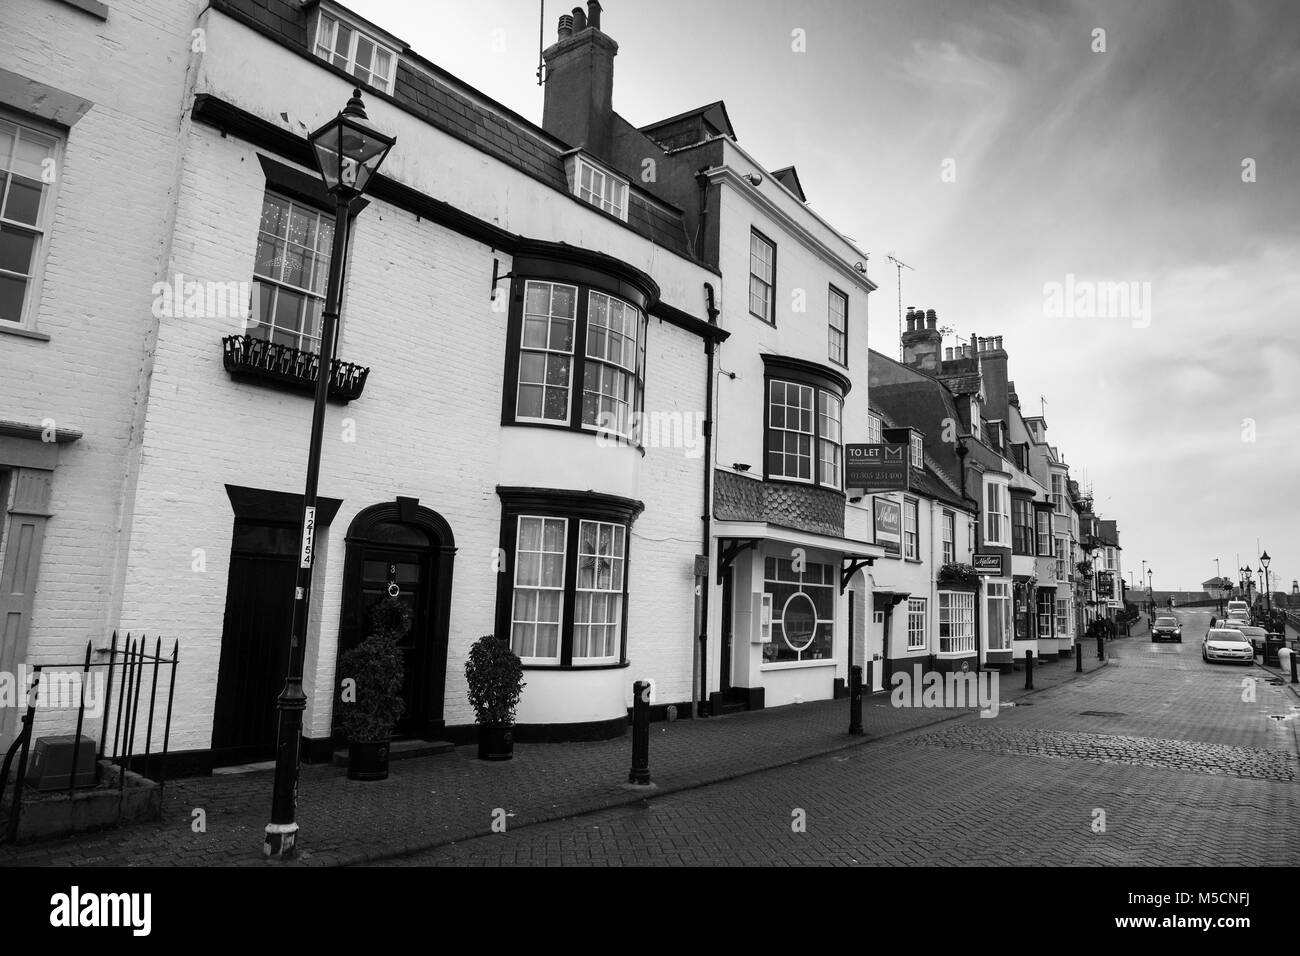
899	266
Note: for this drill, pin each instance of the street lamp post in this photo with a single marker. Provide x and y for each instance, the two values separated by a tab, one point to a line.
348	151
1264	560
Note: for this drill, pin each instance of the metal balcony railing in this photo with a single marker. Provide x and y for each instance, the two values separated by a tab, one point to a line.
280	366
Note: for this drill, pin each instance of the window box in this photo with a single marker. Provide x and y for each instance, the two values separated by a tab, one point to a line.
281	366
958	576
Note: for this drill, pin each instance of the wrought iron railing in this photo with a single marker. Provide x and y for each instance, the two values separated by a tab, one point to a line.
281	366
131	672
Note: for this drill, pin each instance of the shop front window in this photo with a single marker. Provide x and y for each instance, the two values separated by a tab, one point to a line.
803	611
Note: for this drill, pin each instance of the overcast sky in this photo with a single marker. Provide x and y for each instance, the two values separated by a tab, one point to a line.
1115	166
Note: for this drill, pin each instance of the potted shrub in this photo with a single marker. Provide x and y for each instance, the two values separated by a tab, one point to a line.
373	702
496	680
957	574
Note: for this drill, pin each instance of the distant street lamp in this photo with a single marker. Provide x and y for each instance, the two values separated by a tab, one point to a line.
348	151
1264	559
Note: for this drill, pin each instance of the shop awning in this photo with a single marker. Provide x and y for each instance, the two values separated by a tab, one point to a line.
847	547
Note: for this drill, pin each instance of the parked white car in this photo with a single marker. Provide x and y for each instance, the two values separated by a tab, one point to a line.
1226	644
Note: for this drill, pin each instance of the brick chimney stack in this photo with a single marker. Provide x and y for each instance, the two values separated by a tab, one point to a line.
578	105
922	340
997	392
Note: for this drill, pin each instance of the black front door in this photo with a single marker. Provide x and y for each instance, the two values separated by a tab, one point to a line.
404	574
254	641
725	676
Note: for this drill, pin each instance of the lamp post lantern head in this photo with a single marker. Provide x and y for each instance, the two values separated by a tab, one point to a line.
348	150
1264	559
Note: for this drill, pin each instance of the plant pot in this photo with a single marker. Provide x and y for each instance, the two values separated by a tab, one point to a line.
368	760
496	743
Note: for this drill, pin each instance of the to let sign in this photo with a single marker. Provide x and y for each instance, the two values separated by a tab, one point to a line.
990	564
876	467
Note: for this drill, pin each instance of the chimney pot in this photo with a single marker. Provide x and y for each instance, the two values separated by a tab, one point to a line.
947	354
579	20
999	341
593	14
911	321
931	319
566	25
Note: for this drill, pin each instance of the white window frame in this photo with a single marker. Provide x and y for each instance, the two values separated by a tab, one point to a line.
996	518
916	633
949	532
1061	572
874	425
768	284
1058	492
634	346
601	189
547	352
837	335
999	591
1045	614
1063	617
912	538
830	440
35	277
957	614
916	449
1042	536
312	324
800	390
327	25
515	587
613	594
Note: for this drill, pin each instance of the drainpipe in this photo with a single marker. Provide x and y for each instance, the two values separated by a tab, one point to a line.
705	517
962	452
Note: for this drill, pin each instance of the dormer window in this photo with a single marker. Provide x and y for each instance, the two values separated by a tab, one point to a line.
596	185
351	49
917	451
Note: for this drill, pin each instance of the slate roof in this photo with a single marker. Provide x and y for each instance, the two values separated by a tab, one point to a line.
427	91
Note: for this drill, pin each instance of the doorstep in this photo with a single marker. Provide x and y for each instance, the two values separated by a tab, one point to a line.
403	750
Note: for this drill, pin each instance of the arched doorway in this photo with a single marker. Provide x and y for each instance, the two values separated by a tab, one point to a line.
402	548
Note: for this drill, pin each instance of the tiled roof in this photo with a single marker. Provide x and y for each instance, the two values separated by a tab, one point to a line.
816	510
487	126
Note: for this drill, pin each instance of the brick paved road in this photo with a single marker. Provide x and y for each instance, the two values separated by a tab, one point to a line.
435	800
1184	763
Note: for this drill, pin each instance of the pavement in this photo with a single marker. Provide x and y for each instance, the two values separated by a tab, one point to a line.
436	802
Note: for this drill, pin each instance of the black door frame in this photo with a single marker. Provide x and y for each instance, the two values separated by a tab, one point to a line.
442	550
728	630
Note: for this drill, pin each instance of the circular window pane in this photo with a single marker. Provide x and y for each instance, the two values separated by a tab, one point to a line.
799	621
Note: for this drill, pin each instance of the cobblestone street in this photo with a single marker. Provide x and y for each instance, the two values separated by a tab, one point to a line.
1158	759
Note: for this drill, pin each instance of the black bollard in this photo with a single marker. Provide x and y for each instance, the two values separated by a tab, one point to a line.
640	773
1294	655
1101	646
855	700
1078	658
871	678
1029	670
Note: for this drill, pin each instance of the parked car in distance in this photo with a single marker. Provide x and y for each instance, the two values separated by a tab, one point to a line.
1255	635
1226	644
1236	618
1167	629
1241	606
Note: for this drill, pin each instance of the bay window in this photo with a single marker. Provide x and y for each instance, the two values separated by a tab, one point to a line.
803	611
1044	520
1022	528
576	359
804	422
956	622
995	517
1058	493
564	603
